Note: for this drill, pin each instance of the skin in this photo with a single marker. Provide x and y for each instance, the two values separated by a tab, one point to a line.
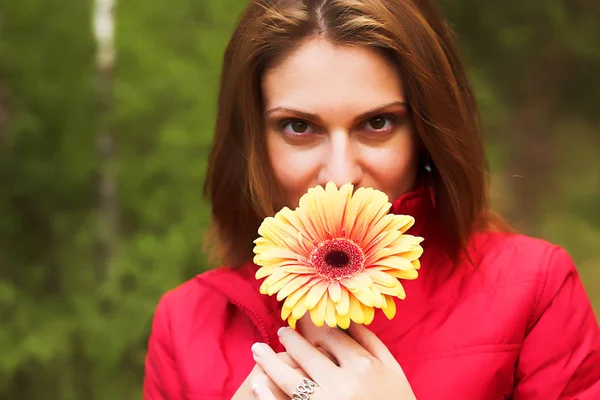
363	367
334	114
338	114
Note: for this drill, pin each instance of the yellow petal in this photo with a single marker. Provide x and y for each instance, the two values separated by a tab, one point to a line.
285	312
324	201
261	240
381	277
376	231
343	306
276	230
278	253
408	274
389	237
335	291
376	207
353	208
339	207
343	321
292	286
358	282
297	219
310	210
264	271
407	222
390	307
261	248
276	287
402	244
379	300
416	264
300	308
290	266
317	314
305	243
293	298
271	280
330	318
397	291
292	322
296	247
369	313
394	262
413	254
298	269
356	311
365	297
376	211
315	294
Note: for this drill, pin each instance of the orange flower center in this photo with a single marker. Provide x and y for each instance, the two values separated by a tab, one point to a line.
337	258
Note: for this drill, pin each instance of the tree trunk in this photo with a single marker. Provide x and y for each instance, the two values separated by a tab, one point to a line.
107	189
531	140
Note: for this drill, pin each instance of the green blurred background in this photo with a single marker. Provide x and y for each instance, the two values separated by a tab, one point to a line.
101	172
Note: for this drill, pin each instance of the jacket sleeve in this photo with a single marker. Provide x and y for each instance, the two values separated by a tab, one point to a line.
161	380
560	356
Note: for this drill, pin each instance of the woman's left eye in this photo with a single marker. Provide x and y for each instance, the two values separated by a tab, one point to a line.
379	123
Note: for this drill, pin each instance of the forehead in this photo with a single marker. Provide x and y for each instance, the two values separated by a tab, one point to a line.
322	75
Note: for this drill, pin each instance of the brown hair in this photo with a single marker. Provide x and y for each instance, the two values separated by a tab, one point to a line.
240	183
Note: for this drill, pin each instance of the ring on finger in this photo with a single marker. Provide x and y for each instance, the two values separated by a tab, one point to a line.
304	390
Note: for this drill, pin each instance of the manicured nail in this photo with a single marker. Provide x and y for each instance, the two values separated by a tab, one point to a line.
255	389
258	348
282	331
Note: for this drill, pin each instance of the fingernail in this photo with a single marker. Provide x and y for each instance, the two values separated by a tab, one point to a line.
282	331
255	389
258	348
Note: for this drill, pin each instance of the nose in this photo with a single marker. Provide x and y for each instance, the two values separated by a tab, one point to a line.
340	162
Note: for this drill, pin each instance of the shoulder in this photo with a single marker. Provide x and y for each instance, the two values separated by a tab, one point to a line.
515	265
519	257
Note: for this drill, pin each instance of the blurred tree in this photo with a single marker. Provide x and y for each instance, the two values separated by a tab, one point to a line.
75	325
46	170
535	63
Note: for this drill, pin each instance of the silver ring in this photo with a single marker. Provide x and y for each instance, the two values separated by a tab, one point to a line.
304	390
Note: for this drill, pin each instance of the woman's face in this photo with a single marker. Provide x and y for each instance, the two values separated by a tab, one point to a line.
337	113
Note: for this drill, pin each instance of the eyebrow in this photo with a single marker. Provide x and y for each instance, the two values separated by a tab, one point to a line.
317	118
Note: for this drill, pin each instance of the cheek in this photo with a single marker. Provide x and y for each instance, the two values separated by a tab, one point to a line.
393	169
294	169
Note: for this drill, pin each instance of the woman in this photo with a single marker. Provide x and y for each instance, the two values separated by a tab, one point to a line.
373	93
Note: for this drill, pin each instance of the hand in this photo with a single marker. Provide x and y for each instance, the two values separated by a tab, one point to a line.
259	380
365	368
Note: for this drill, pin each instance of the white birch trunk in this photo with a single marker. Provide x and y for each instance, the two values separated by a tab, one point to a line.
103	20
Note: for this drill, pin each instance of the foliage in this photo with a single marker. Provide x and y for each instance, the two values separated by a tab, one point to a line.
73	328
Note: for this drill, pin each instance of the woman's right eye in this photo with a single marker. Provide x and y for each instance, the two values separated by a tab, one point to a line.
296	127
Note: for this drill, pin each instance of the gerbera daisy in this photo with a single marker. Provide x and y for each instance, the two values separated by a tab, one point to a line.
337	256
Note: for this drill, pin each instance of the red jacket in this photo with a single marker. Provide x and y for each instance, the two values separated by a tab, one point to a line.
519	326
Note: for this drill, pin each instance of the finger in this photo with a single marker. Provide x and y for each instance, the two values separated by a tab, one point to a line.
326	354
262	392
285	357
284	376
308	357
337	343
371	343
264	388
